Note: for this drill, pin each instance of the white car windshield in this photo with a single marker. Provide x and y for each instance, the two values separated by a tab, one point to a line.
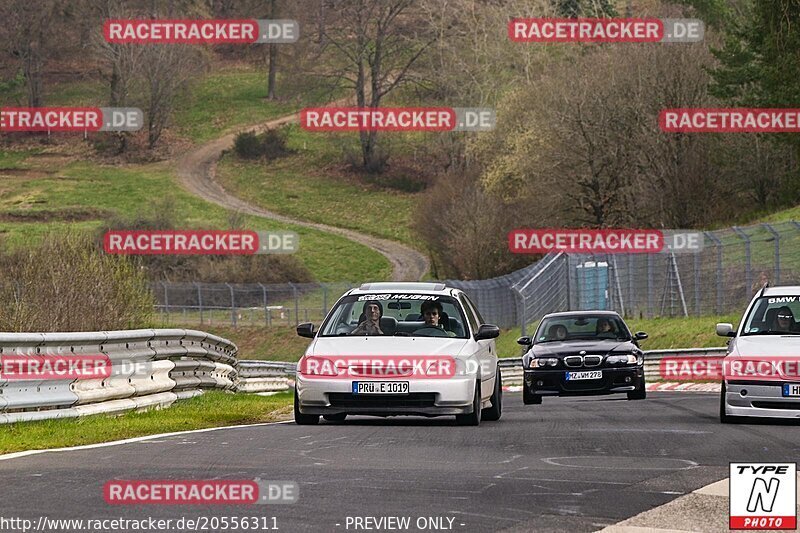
773	315
394	314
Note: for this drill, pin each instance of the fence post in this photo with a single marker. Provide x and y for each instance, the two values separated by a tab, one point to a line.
748	274
266	311
521	309
296	305
697	310
233	305
199	301
718	246
650	285
569	299
166	299
777	236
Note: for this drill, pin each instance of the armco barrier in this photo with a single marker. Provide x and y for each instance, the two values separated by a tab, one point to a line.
151	368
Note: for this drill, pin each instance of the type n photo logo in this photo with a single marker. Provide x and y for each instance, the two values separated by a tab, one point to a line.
763	496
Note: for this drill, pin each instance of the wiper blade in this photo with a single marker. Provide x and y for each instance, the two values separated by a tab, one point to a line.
771	333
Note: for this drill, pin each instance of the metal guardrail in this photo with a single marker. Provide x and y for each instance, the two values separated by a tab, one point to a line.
154	368
149	368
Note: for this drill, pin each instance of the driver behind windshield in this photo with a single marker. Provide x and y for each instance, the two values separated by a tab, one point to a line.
784	320
370	319
605	328
432	313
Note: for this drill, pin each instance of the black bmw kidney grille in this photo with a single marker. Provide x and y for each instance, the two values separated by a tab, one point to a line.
573	361
592	360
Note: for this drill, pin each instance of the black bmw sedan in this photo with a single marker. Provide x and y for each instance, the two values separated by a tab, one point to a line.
583	353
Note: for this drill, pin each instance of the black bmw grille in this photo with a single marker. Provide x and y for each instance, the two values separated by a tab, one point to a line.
415	399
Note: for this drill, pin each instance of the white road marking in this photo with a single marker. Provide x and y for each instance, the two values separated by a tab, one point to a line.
16	455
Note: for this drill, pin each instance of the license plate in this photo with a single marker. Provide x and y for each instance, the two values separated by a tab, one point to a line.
380	387
592	374
791	389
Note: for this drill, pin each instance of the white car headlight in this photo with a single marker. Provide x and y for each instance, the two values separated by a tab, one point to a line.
539	362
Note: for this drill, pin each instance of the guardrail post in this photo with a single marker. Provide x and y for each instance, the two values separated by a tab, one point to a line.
718	246
777	265
748	274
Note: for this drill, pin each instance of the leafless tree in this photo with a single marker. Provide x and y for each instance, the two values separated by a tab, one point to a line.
166	70
375	44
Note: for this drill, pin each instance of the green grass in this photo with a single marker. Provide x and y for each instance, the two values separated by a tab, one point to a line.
276	343
133	190
230	98
299	185
212	409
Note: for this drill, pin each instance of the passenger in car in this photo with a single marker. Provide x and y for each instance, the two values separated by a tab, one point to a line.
370	319
784	320
432	313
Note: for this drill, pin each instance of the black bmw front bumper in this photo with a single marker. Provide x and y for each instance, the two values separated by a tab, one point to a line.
554	383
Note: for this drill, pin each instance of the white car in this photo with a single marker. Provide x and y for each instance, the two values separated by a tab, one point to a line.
376	354
769	332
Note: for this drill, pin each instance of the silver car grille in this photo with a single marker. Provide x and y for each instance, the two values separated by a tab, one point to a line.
573	361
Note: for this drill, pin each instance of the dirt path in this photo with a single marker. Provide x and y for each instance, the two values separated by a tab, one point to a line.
197	170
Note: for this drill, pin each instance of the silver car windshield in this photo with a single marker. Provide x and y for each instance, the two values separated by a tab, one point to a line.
773	315
399	315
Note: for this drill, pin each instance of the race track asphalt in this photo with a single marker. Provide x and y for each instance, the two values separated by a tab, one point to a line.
570	464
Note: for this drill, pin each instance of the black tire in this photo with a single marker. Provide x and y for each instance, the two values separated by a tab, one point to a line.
300	419
638	394
338	417
494	412
528	398
473	418
723	417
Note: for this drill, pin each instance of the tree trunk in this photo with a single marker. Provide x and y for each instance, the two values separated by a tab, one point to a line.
273	68
273	57
32	70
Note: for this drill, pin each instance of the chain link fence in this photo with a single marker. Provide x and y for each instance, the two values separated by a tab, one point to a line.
718	280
